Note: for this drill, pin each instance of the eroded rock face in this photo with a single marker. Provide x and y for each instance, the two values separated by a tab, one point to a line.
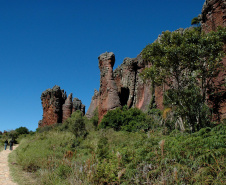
132	91
67	107
124	86
77	105
214	15
109	98
57	107
52	101
120	87
93	105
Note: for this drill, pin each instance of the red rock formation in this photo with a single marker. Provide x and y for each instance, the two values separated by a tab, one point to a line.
67	107
93	105
125	87
214	15
55	108
52	101
109	98
122	87
132	91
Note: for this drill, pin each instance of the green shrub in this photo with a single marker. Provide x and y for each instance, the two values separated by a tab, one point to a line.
125	119
95	119
76	124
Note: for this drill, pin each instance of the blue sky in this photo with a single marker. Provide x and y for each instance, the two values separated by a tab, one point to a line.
57	42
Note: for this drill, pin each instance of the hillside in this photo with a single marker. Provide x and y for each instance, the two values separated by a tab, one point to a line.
106	156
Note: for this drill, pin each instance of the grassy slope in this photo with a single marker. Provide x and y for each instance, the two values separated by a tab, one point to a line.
125	158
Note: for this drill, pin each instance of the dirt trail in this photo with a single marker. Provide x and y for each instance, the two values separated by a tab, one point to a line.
5	178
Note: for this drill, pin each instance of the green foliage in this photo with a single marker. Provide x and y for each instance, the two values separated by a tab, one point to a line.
76	124
125	119
44	129
22	130
118	157
95	119
102	148
186	63
196	21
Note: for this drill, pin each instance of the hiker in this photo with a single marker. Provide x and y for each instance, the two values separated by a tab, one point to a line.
11	144
6	143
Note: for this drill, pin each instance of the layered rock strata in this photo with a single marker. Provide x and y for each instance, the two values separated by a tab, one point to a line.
57	107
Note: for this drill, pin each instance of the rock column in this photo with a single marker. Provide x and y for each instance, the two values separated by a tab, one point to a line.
109	98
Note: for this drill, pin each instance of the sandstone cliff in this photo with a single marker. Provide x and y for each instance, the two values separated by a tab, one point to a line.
120	87
125	87
57	107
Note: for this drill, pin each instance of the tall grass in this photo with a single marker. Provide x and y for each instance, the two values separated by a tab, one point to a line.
109	157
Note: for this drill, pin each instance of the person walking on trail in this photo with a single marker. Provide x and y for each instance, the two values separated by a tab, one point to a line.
6	143
11	144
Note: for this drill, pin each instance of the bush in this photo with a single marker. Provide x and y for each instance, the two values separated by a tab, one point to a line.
22	130
125	119
76	124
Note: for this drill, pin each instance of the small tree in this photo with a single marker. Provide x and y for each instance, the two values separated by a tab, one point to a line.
196	21
76	124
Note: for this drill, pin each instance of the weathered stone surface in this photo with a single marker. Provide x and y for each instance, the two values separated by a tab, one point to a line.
132	91
57	107
67	107
52	101
214	15
109	98
125	87
122	87
77	105
93	105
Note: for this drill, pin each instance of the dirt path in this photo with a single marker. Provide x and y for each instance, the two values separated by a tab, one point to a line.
5	178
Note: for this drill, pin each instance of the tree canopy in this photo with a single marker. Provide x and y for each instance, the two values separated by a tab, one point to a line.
186	62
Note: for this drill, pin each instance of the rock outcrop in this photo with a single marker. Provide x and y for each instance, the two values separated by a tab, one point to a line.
57	107
132	91
93	105
124	86
109	98
67	107
214	15
77	105
52	101
120	87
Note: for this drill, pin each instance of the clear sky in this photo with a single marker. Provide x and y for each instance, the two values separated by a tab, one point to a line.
57	42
